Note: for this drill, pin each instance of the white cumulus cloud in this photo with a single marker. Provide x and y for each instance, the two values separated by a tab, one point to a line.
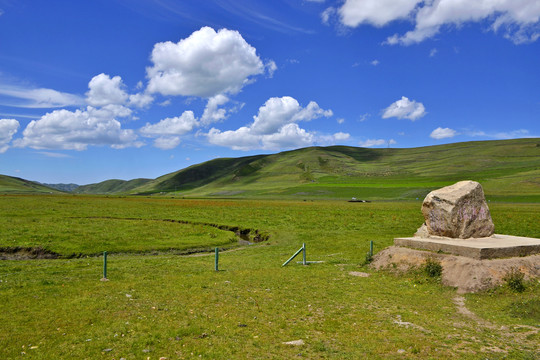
140	100
105	90
405	109
442	133
167	132
76	130
212	112
8	128
377	142
204	64
333	138
274	127
167	142
179	125
340	136
277	112
375	12
519	19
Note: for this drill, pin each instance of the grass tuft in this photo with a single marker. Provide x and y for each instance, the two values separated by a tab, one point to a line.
514	279
433	268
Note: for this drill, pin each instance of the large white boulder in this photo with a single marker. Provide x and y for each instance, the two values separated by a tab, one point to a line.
457	211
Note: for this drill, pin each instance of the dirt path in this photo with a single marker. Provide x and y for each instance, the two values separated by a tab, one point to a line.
459	301
514	333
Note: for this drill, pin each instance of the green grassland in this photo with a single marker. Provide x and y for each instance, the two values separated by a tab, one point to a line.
177	306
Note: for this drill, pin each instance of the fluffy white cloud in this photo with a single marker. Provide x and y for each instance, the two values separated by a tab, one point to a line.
109	111
405	109
332	139
375	12
8	128
240	139
377	142
167	142
289	136
212	112
518	18
39	98
167	132
179	125
76	130
442	133
204	64
340	136
277	112
140	100
274	127
105	90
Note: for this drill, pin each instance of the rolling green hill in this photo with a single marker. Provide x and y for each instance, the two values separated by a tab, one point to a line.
506	169
14	185
111	186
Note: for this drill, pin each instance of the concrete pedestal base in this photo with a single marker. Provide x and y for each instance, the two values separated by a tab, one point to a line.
496	246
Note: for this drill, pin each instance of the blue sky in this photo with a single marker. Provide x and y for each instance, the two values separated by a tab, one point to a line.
121	89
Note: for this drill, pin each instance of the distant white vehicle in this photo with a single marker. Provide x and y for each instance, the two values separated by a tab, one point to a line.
358	200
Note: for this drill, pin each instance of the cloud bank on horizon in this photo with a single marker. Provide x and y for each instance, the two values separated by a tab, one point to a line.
221	68
517	19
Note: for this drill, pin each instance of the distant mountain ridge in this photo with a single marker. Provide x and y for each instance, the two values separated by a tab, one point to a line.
111	186
505	168
63	187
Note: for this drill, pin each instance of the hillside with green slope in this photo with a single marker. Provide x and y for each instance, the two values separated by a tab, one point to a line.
15	185
506	168
111	186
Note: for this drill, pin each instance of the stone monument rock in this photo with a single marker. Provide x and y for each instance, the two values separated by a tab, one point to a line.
456	211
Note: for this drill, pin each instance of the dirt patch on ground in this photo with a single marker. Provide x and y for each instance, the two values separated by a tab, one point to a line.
24	253
466	274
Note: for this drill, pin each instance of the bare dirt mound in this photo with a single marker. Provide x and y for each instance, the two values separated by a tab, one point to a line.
466	274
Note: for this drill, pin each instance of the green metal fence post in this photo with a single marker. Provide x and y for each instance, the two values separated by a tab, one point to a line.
217	259
304	253
371	248
104	264
292	257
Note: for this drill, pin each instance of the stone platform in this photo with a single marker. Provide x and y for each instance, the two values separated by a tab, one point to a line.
495	246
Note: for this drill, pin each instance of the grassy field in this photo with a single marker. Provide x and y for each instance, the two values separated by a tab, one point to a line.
178	307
